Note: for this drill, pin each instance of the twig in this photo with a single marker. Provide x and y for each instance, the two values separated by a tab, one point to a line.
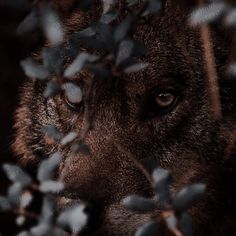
213	86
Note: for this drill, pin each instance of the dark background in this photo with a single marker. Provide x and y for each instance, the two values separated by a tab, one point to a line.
13	48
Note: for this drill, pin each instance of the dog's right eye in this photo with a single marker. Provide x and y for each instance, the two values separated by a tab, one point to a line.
77	107
73	97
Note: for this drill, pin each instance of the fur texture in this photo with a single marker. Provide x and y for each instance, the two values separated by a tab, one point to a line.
186	140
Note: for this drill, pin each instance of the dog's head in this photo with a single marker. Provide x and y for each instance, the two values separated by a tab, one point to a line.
162	113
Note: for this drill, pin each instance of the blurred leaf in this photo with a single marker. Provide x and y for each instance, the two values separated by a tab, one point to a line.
162	179
20	220
41	230
187	196
186	224
73	217
34	70
79	63
52	132
230	18
69	138
207	13
149	229
26	199
4	204
47	167
54	57
51	25
16	174
51	186
172	223
136	68
47	209
52	89
29	24
124	51
122	29
139	204
154	6
14	193
108	17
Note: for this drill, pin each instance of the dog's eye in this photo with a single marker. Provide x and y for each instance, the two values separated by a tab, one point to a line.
73	96
77	107
165	99
160	102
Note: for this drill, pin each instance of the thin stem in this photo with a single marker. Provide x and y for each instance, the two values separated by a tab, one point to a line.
213	86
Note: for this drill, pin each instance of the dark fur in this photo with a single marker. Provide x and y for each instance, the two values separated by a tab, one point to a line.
187	140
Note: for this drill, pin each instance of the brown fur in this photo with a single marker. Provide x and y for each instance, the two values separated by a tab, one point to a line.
186	140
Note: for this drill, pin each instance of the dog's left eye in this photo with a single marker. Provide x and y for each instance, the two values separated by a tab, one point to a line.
165	99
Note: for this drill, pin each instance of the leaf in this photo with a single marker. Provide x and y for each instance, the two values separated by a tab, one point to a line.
207	13
51	186
108	17
47	167
52	132
33	70
154	6
139	204
73	217
230	18
186	224
24	233
14	193
149	229
16	174
4	204
51	25
162	179
52	89
72	92
69	138
122	29
41	230
132	2
26	199
47	210
187	196
20	220
136	68
54	57
79	63
172	223
124	51
28	24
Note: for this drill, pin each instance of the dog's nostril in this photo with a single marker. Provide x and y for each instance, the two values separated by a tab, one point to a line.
95	214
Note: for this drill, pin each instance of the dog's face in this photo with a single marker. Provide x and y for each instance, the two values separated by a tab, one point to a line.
161	113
